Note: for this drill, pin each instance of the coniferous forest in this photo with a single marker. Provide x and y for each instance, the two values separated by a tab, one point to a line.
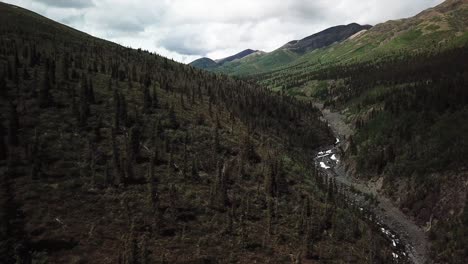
347	146
410	115
115	155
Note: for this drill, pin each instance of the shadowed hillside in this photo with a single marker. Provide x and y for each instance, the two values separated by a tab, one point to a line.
115	155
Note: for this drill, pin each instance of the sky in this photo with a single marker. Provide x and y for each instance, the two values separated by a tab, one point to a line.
185	30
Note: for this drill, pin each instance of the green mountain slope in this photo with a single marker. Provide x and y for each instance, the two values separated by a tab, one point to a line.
403	86
204	63
259	63
291	51
438	28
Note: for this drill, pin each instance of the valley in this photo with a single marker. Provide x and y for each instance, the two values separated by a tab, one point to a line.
346	146
384	214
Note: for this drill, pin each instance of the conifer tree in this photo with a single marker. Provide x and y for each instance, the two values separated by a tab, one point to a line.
117	109
135	135
3	147
36	158
13	126
147	100
90	92
117	164
155	101
194	171
44	92
84	108
3	85
152	184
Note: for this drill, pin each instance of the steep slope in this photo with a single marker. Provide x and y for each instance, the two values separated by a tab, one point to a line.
209	64
291	51
243	63
260	63
325	38
237	56
442	27
403	87
115	155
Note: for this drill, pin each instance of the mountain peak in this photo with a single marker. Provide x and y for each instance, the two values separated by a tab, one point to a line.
204	63
237	56
324	38
207	63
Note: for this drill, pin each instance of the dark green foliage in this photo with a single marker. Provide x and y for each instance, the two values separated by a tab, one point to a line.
13	126
168	156
84	103
36	158
409	112
44	91
3	146
135	135
3	85
147	100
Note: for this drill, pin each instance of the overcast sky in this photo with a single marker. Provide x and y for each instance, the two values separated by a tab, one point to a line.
189	29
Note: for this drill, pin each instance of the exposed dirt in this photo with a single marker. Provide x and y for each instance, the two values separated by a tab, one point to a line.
412	236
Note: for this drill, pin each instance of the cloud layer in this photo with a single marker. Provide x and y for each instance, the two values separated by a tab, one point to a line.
187	29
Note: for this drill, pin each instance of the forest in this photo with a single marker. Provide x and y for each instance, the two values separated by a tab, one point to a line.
409	111
115	155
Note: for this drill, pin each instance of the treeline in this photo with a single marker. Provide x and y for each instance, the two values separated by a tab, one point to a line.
410	113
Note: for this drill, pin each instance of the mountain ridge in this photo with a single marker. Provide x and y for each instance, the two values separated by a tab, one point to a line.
207	63
289	51
325	38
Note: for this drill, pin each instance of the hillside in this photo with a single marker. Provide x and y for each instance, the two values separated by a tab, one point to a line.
209	64
324	38
237	56
442	27
204	63
242	64
402	87
115	155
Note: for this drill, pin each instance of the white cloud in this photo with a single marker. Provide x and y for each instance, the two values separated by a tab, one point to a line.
188	29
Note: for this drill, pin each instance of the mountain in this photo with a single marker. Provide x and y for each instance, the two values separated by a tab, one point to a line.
114	155
401	86
243	62
237	56
207	63
204	63
291	51
441	27
324	38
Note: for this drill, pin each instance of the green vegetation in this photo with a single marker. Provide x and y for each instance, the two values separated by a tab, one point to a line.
204	63
115	155
259	63
391	39
410	117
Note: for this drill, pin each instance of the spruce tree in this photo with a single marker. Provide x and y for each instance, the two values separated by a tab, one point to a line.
3	146
147	100
155	102
85	100
13	126
116	160
44	92
3	85
36	158
117	109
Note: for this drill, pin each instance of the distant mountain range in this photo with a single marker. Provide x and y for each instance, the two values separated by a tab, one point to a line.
325	38
442	26
207	63
310	43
